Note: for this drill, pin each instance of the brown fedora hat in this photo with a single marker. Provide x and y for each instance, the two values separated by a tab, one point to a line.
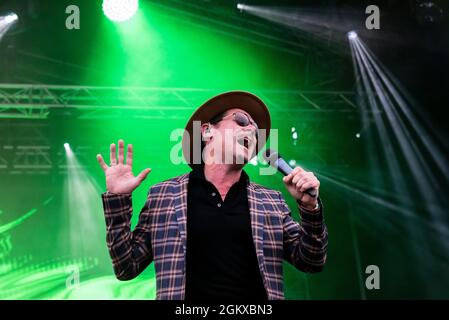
246	101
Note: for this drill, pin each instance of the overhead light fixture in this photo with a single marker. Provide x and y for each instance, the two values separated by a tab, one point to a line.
120	10
11	18
352	35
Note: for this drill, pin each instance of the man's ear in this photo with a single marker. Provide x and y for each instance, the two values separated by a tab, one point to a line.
206	131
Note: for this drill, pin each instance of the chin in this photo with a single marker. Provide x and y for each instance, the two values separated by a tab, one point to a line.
241	156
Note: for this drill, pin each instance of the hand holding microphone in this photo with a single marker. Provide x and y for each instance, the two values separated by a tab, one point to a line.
301	184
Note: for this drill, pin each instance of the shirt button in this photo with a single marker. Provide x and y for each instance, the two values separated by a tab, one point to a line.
213	194
219	205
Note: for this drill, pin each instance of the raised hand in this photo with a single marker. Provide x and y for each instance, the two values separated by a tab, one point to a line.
119	175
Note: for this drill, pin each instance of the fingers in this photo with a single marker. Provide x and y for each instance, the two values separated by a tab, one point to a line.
307	182
301	179
300	175
292	177
298	170
309	185
141	176
129	155
121	153
101	162
288	178
112	155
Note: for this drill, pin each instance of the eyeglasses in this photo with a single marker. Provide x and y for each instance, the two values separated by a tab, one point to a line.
241	119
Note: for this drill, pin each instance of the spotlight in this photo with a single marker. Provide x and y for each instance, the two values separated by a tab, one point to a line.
11	18
357	135
352	35
294	136
120	10
240	6
68	150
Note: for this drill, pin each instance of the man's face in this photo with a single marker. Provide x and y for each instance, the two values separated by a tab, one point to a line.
233	143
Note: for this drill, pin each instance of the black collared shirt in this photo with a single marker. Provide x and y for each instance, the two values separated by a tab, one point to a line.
221	262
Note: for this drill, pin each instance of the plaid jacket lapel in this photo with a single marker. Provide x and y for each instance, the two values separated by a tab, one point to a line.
180	201
256	211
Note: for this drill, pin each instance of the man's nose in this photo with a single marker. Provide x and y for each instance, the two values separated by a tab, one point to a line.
253	127
252	130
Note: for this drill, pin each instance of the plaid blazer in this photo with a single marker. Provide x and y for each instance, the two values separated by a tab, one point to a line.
160	236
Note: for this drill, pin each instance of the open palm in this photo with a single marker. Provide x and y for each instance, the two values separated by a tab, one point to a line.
119	176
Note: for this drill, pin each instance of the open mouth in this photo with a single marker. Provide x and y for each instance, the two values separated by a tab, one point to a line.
244	142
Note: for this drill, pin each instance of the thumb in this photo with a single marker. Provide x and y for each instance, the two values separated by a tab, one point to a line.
142	175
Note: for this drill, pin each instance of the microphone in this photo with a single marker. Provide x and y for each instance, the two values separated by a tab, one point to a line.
275	160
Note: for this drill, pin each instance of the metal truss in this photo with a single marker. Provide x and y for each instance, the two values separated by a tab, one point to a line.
26	158
40	159
29	101
27	148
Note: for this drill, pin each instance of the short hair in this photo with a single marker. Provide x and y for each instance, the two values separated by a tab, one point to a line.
217	118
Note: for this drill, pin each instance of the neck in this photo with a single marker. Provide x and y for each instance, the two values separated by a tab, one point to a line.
222	176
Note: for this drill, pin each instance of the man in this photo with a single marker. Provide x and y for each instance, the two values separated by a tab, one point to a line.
212	234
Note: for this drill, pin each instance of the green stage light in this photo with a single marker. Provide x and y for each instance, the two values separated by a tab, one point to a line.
120	10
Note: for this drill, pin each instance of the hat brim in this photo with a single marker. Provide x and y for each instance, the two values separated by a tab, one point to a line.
246	101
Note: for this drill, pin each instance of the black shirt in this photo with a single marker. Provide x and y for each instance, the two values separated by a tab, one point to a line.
221	262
